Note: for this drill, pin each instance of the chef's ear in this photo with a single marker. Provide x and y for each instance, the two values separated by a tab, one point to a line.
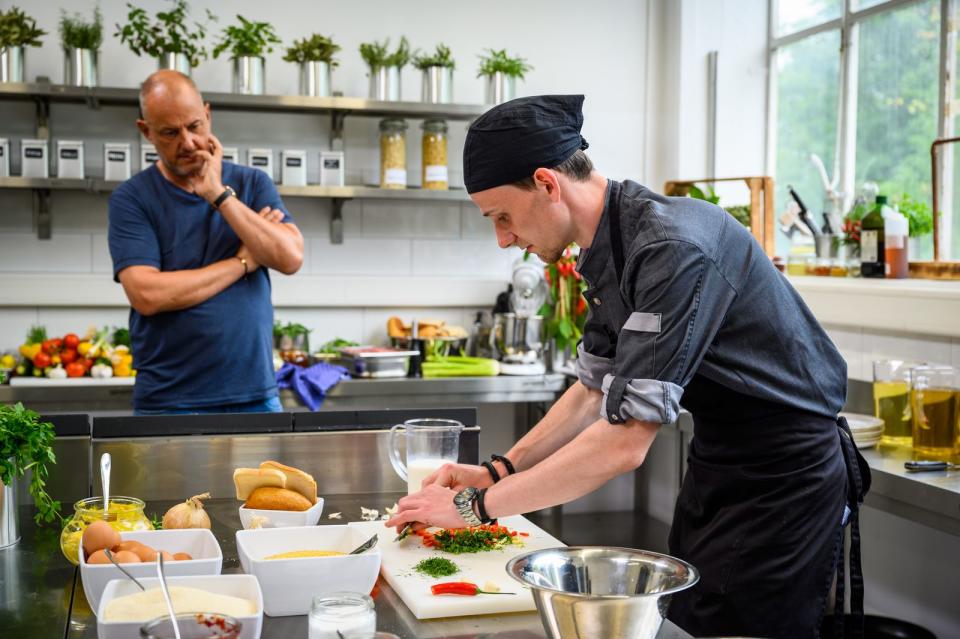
546	179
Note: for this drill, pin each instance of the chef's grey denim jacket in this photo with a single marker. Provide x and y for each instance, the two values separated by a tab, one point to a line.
698	296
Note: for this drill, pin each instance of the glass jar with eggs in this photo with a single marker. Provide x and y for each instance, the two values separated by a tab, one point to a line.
124	514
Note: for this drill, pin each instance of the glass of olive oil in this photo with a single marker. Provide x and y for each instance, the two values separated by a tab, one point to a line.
935	403
891	400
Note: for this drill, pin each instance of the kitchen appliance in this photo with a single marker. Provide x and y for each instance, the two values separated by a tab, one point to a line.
116	162
517	337
70	159
599	592
261	159
33	159
293	171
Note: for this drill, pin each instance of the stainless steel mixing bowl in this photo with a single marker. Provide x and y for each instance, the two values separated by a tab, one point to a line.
598	592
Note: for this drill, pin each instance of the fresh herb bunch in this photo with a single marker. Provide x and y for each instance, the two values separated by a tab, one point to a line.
499	62
336	343
442	57
917	213
566	310
168	33
437	567
36	335
316	48
19	30
77	33
249	39
474	539
376	56
290	329
26	443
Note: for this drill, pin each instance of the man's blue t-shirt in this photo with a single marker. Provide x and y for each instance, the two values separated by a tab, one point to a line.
221	350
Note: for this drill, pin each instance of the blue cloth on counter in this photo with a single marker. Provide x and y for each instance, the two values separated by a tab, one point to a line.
311	384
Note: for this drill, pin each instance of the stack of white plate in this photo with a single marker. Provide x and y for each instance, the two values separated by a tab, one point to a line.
866	429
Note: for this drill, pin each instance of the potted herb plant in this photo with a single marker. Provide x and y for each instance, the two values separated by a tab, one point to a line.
920	221
385	67
167	37
501	72
247	42
565	312
26	443
81	45
315	57
437	72
17	32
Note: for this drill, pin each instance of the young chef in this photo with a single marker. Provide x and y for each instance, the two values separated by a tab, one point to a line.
685	309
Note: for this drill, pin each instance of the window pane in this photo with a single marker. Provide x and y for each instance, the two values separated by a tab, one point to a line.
897	104
866	4
796	15
808	76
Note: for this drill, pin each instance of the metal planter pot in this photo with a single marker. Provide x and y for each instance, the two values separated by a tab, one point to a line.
385	84
9	515
437	85
81	68
315	79
11	64
249	75
500	88
176	61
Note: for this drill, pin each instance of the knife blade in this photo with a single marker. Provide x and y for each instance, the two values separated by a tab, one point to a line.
925	466
406	530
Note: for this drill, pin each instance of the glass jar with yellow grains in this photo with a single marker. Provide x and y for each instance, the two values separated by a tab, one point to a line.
124	514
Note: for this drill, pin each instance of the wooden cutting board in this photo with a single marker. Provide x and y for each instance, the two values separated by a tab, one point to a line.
398	560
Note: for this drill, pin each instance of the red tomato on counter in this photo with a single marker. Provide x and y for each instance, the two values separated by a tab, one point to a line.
41	360
68	356
76	369
71	341
52	346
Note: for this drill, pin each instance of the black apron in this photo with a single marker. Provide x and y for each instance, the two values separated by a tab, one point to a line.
760	510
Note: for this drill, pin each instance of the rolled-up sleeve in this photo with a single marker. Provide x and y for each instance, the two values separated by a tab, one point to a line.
680	300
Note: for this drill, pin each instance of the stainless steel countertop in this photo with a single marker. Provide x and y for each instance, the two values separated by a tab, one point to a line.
41	594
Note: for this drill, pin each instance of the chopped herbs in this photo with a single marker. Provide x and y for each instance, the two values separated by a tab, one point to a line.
474	539
436	567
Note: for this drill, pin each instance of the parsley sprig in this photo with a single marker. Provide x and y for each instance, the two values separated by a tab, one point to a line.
437	567
26	443
480	538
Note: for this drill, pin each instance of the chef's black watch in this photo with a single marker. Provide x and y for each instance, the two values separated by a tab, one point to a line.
464	503
227	192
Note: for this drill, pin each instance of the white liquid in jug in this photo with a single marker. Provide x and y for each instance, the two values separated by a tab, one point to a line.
418	470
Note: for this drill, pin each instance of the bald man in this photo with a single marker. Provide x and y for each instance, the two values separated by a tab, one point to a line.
191	238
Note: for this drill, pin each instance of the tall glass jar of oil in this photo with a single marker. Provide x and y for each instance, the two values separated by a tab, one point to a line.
891	399
393	153
935	403
435	155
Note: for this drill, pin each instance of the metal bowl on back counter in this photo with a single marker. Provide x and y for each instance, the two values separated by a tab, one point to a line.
375	361
433	346
597	592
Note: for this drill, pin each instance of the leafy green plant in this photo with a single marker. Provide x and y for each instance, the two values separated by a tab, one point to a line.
19	30
710	195
566	311
168	32
440	58
249	39
376	55
740	212
26	443
290	329
497	61
918	215
316	48
77	33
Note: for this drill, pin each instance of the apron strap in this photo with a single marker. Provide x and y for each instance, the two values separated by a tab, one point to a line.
613	223
858	483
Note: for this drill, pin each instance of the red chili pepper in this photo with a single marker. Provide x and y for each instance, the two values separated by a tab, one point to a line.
462	588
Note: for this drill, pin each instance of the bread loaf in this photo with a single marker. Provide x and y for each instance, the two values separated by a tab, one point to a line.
247	480
272	498
297	480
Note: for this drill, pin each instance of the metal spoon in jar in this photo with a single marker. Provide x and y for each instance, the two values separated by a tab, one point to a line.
106	551
105	482
166	596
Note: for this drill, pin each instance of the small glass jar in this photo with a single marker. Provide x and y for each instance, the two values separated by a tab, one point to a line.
393	153
125	514
340	613
435	155
838	267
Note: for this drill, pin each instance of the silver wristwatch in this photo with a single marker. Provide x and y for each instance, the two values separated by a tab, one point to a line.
464	503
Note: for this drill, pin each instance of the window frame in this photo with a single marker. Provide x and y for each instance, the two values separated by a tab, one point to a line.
845	149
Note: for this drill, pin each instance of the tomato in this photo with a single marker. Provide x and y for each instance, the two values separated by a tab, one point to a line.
87	363
76	369
41	360
51	346
71	341
68	356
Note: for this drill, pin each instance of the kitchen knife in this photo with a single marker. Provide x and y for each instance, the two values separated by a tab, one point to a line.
406	530
925	466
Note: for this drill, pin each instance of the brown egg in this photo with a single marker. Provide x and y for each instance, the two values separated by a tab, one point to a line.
181	556
127	545
145	553
99	535
126	557
98	557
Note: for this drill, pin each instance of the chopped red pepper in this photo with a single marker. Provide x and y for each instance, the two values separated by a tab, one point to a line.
462	588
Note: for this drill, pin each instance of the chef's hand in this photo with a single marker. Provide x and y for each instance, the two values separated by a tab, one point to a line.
459	476
244	253
432	506
207	180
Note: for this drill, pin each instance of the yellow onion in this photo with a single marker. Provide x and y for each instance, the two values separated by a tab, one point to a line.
189	514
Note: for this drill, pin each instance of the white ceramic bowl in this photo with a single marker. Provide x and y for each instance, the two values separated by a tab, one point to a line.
244	586
289	585
283	518
199	543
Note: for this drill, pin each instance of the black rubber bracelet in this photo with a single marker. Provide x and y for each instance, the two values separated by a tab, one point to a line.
492	470
481	508
506	462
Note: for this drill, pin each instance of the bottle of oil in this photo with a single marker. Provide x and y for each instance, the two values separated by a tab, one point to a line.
872	258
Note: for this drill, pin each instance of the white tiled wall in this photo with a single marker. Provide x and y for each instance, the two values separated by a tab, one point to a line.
860	347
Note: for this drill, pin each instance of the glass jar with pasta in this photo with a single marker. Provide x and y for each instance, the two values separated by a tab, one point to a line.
435	155
393	154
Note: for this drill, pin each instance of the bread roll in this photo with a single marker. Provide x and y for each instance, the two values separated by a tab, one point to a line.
297	480
249	479
272	498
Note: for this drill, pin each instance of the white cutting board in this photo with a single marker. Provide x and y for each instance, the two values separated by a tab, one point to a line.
398	560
